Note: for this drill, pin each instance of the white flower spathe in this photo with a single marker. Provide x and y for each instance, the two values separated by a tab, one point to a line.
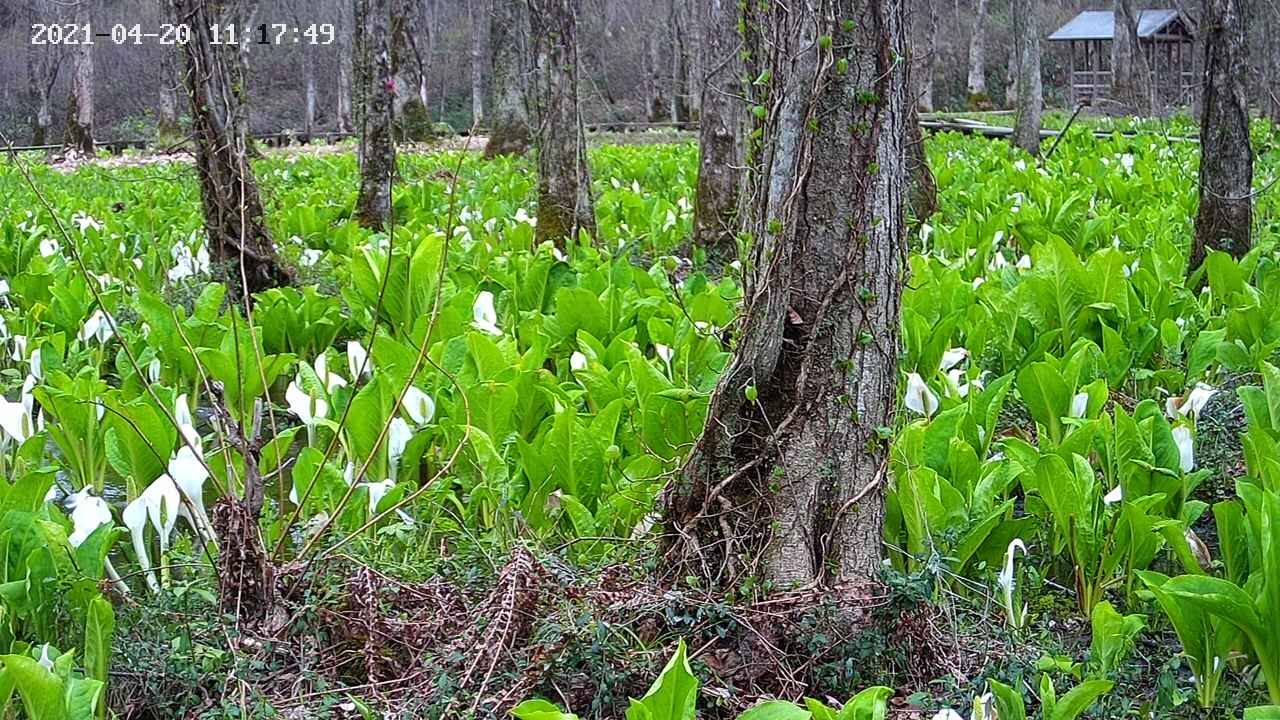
1192	403
330	380
48	247
305	407
1079	405
954	357
1008	583
88	513
358	360
157	505
97	327
484	316
920	399
418	406
85	221
1186	447
17	419
1113	497
577	361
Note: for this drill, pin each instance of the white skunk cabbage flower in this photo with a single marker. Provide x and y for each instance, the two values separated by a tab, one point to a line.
358	360
920	399
418	406
1192	403
153	370
398	435
97	327
1079	405
1186	447
307	408
954	357
577	361
947	714
1008	584
664	352
378	490
1024	263
86	221
45	661
484	316
88	513
37	370
330	380
49	246
188	471
1113	497
158	505
17	419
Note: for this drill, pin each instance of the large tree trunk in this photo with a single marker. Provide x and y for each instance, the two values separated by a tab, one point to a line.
656	103
1026	37
1226	157
1130	73
168	130
510	53
925	60
1271	63
715	217
79	135
376	84
676	21
408	58
346	72
479	13
309	85
234	218
977	83
787	480
565	204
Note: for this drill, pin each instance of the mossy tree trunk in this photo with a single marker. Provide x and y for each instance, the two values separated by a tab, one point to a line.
1026	38
977	80
787	480
233	212
376	85
565	203
715	218
509	54
1226	156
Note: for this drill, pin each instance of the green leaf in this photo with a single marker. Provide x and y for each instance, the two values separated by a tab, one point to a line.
869	704
1079	698
776	710
40	690
674	694
540	710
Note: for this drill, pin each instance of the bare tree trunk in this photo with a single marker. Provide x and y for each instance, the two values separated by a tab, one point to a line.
346	53
926	60
510	53
376	85
653	77
43	62
168	130
1026	37
565	204
923	198
1011	81
977	83
408	59
676	22
715	218
1130	73
479	13
79	135
1226	157
309	82
234	217
1271	63
787	480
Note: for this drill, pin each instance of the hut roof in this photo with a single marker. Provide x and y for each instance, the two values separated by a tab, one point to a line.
1101	25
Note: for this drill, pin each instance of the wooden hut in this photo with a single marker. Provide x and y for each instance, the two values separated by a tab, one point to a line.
1166	37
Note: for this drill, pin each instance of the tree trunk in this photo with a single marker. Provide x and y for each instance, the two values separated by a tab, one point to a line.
565	204
977	84
509	52
925	61
679	62
346	52
1130	73
1271	63
1026	37
376	85
234	218
42	72
715	217
787	480
79	135
479	26
657	105
168	130
309	85
923	199
1226	157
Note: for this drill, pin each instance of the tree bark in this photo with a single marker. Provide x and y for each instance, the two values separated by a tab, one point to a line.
1026	37
657	104
79	135
787	480
346	52
376	85
168	130
309	88
42	72
925	61
1226	157
565	203
977	82
479	14
715	217
1130	73
234	217
1271	63
510	60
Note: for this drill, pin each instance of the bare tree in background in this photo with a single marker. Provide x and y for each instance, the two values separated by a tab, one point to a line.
43	62
1226	156
346	72
509	62
168	130
977	81
1026	37
924	57
565	203
234	217
79	134
715	217
657	104
1130	73
376	84
787	480
478	12
1271	62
